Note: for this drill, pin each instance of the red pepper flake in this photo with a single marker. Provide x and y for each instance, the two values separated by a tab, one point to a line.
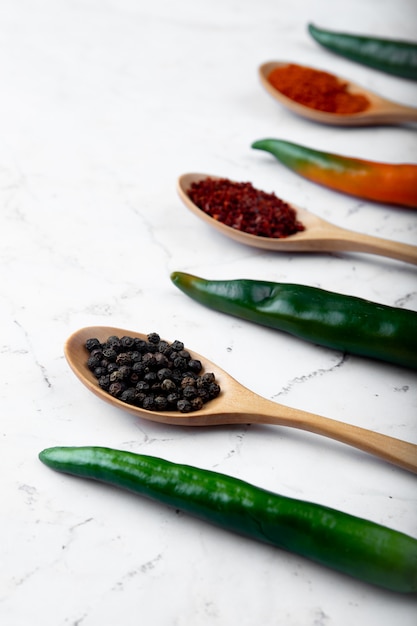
241	206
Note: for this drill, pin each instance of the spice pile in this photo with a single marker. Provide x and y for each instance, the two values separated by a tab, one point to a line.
152	374
241	206
316	89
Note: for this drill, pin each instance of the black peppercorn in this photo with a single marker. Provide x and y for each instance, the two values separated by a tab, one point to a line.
134	378
104	382
96	352
161	360
139	367
149	360
139	397
184	406
110	354
142	385
195	365
172	398
168	385
197	403
115	376
186	381
189	392
150	377
164	372
160	403
176	375
164	348
149	403
124	371
113	342
127	342
180	362
128	395
93	361
100	371
92	343
214	390
141	345
123	358
152	374
116	388
203	393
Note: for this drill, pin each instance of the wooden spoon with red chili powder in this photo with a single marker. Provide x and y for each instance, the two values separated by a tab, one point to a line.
329	99
231	208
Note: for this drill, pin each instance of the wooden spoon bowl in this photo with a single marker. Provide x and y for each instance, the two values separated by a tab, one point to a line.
238	405
318	236
380	112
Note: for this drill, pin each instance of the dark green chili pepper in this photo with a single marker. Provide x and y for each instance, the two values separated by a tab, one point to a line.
387	55
322	317
354	546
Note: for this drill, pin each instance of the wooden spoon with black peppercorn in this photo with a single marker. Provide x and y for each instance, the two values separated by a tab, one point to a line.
379	112
318	234
238	405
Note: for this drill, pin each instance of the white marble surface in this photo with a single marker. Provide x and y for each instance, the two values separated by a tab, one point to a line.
104	103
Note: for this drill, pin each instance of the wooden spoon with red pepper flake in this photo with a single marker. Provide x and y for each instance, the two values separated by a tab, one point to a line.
318	236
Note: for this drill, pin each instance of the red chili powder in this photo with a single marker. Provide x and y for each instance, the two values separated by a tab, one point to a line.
241	206
316	89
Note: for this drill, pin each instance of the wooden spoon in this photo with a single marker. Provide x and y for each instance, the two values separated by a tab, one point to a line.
318	236
238	405
380	112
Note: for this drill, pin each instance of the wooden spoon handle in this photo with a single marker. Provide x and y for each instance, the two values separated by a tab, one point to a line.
357	242
400	453
395	451
392	113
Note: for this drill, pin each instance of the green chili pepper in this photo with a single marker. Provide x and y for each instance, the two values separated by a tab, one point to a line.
322	317
387	55
354	546
389	183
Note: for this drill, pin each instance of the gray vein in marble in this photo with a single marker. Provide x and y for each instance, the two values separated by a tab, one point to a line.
141	214
407	298
404	388
320	617
72	531
316	373
144	568
31	351
79	620
240	437
30	491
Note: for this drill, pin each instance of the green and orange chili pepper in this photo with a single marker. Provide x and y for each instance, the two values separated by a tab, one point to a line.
388	183
391	56
352	545
334	320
